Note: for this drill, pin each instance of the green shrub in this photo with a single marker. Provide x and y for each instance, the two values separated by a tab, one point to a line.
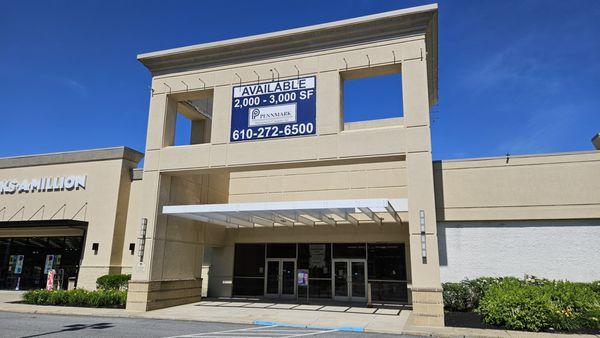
36	297
541	305
595	286
107	298
457	297
77	297
113	282
465	295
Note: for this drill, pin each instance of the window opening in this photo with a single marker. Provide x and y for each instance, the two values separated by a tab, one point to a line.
193	119
371	94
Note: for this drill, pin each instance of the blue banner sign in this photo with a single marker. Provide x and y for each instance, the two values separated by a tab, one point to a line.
274	109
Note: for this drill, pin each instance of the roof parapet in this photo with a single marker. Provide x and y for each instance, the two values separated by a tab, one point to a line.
376	27
101	154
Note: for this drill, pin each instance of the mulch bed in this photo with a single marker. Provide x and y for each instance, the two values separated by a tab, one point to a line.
467	319
473	321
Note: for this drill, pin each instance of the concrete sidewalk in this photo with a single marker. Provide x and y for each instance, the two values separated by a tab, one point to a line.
299	316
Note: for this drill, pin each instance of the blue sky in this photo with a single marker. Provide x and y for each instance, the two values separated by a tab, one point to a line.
514	76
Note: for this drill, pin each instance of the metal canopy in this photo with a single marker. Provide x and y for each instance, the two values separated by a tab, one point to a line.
295	213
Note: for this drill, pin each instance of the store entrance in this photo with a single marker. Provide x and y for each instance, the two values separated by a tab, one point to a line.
280	278
26	261
338	271
350	280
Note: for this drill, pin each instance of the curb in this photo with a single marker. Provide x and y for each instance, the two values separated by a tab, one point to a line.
336	328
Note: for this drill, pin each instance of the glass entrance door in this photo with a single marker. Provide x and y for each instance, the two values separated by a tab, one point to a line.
350	279
340	280
280	278
272	280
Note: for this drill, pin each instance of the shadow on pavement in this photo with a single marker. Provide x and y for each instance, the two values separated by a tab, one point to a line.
76	327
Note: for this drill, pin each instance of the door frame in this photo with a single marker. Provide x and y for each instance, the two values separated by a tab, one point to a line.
280	278
349	262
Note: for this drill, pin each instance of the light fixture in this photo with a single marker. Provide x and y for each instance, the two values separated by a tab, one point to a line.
142	238
423	236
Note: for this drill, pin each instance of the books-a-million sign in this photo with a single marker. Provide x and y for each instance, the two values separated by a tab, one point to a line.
43	184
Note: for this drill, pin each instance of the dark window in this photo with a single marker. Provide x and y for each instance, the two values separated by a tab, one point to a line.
389	291
249	260
281	250
320	288
249	270
316	258
248	286
387	272
352	250
386	262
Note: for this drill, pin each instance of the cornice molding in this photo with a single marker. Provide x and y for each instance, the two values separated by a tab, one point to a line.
102	154
377	27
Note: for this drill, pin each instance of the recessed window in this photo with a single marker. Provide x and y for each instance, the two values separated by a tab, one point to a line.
194	118
371	95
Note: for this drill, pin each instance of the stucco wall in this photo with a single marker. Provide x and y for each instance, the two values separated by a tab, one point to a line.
128	260
345	181
102	203
543	186
555	249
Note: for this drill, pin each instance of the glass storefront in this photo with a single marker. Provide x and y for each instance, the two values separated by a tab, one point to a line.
336	270
25	261
249	270
316	257
387	272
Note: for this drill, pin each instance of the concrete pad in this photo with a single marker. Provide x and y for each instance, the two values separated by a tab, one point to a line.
387	312
217	303
259	305
361	310
283	306
308	307
342	319
7	296
389	324
334	308
235	304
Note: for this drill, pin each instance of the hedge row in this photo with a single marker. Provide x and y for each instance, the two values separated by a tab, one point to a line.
77	297
531	304
113	282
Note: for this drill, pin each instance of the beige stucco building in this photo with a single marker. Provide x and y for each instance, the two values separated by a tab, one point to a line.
274	186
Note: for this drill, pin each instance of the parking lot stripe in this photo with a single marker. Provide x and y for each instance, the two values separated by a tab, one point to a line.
313	327
204	334
312	334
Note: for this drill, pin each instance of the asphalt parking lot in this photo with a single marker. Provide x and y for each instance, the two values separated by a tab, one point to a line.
38	325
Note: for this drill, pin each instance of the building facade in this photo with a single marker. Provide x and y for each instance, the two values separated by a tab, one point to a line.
68	212
275	195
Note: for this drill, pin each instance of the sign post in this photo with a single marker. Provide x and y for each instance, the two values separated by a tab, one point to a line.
302	280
